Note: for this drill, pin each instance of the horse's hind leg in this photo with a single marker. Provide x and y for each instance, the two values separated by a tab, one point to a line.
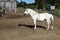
52	20
51	26
48	22
35	24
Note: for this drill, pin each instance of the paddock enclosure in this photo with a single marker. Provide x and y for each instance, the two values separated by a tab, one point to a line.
17	26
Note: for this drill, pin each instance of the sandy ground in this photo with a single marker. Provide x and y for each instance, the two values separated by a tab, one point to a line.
20	27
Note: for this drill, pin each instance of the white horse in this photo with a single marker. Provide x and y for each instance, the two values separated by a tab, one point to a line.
40	17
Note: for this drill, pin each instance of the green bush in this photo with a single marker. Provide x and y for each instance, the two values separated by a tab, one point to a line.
55	12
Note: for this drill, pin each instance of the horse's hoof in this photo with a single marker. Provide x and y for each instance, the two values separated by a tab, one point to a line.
34	29
47	29
51	28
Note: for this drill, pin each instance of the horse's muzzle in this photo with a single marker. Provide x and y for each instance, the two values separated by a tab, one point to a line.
24	14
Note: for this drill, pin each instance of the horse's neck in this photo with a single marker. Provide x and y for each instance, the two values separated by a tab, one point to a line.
33	13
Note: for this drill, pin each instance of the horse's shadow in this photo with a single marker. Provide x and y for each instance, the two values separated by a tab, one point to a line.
32	26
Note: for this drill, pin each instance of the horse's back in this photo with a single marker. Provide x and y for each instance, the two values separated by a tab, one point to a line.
45	15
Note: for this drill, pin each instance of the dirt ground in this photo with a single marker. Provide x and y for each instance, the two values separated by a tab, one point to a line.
20	27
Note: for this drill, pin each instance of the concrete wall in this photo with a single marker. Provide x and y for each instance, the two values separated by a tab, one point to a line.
8	5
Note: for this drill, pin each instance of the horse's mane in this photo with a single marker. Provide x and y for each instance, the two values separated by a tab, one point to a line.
32	10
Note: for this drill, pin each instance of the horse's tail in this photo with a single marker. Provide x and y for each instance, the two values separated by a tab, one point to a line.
52	19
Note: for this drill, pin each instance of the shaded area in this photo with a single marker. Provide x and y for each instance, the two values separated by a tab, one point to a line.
32	26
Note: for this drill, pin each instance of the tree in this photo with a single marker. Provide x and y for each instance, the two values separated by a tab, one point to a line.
21	4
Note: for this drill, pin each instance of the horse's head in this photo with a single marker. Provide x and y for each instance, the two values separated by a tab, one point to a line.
27	11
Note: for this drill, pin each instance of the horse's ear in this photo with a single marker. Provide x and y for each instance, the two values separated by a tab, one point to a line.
25	8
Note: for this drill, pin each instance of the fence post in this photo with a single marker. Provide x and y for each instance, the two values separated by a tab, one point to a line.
15	6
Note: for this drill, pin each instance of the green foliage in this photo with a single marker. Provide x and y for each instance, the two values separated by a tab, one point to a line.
21	4
39	4
55	12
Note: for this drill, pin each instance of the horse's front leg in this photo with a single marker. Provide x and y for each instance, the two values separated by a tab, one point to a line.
34	24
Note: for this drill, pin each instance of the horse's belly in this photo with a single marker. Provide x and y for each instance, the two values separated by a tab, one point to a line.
41	19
